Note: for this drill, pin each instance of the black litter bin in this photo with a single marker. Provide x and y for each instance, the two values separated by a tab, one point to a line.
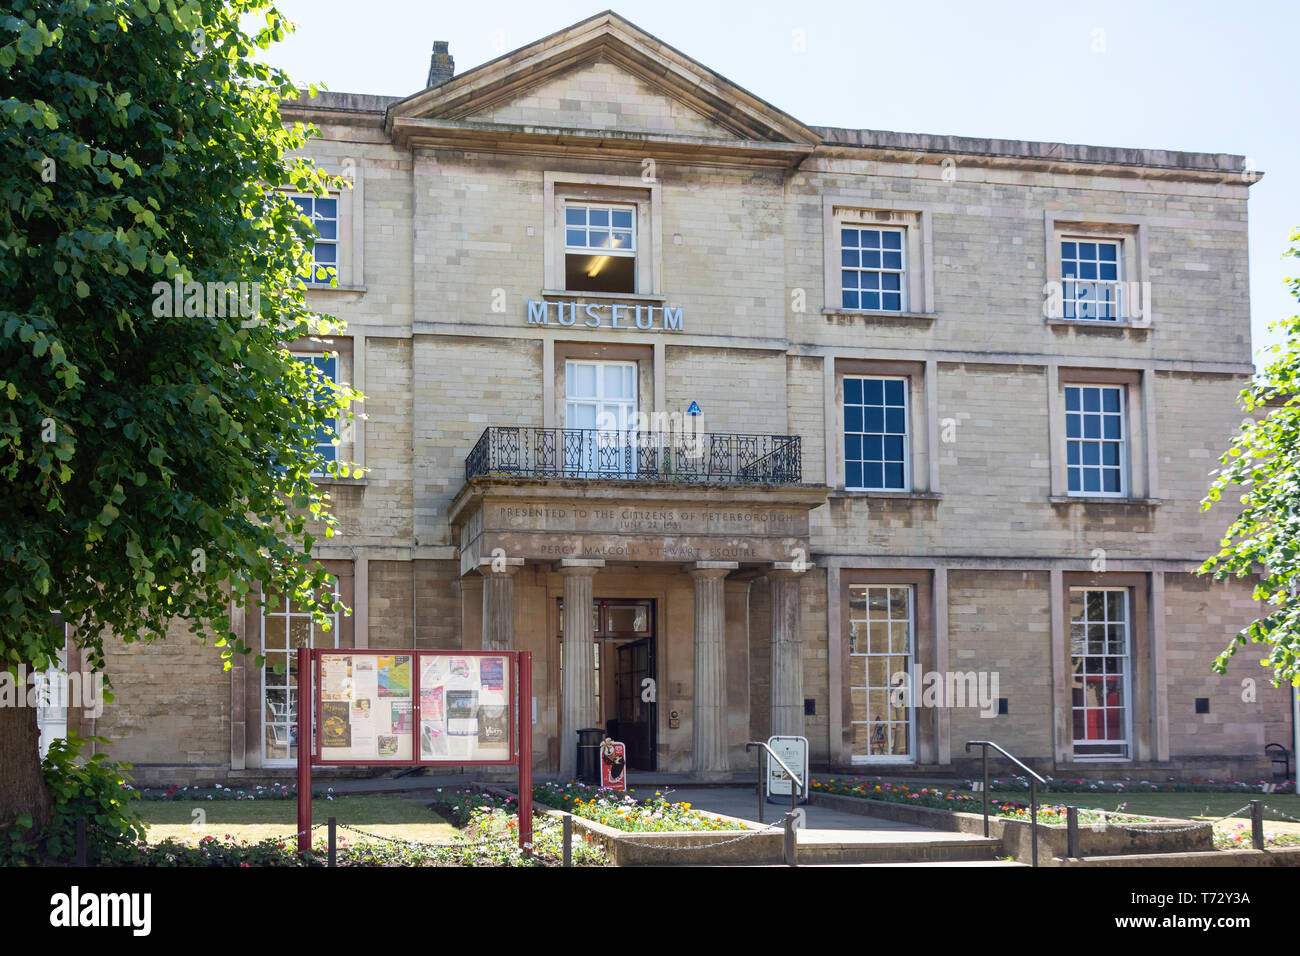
589	739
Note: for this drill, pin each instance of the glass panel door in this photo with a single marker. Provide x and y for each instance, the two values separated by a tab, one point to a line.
600	400
880	663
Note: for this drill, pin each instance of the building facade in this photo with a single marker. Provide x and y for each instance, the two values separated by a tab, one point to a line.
748	427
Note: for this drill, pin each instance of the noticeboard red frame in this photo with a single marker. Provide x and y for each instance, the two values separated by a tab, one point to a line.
512	702
519	722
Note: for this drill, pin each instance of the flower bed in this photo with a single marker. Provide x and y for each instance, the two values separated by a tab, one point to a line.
1128	785
276	791
490	838
622	811
959	801
1238	838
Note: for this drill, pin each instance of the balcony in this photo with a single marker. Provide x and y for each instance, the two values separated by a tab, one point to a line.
653	457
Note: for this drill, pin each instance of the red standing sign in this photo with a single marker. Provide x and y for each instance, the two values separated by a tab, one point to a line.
613	765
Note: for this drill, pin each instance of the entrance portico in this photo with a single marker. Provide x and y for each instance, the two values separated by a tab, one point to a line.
692	552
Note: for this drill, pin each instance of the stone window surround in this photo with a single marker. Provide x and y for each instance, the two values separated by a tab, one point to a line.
1125	672
246	705
1102	415
922	453
352	444
1146	637
650	373
352	227
1133	235
916	221
558	187
925	657
1141	480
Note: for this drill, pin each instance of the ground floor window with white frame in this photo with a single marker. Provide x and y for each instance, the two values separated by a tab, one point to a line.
881	651
285	628
53	697
1100	668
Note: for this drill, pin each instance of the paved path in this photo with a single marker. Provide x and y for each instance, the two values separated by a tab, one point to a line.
743	803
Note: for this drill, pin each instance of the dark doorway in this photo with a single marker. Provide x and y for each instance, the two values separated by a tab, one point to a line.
624	632
634	721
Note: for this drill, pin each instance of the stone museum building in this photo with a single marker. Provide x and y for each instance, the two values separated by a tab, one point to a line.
747	427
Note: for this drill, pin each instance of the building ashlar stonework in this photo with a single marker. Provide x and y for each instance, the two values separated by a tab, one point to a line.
769	415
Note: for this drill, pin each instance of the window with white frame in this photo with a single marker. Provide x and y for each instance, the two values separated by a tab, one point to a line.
880	664
1100	664
1090	280
324	215
600	399
1095	439
285	628
599	247
872	269
327	434
53	698
875	434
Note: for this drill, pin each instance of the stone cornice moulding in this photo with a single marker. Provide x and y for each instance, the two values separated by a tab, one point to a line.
582	143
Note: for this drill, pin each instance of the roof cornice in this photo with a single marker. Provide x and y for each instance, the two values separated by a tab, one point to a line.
628	145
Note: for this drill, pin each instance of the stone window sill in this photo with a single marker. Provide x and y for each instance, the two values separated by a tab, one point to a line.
612	296
330	480
322	287
863	314
905	495
1098	325
1102	500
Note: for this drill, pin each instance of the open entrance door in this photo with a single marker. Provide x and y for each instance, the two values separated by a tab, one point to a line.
624	638
634	722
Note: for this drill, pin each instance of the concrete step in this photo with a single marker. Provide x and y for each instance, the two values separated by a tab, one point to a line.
948	848
962	863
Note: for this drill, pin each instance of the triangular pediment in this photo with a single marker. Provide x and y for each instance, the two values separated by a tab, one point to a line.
601	95
605	74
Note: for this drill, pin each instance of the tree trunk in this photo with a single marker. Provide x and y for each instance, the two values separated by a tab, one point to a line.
22	786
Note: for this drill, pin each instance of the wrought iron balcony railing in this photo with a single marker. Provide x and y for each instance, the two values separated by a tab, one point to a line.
518	452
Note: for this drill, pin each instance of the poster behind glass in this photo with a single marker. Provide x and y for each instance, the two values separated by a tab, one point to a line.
367	707
464	707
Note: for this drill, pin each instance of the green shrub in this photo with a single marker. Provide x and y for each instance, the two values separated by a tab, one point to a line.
95	788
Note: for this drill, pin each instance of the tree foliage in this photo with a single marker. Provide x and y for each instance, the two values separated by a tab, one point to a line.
155	467
1264	539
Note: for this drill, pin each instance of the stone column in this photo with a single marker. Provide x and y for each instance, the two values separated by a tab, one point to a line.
709	721
579	690
499	602
786	650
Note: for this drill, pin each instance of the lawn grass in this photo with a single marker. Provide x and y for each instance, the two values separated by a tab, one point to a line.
254	820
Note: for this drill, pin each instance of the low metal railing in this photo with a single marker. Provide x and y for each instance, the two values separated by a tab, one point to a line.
667	456
797	786
1034	781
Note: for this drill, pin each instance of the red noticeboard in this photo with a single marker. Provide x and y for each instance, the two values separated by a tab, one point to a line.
613	765
412	708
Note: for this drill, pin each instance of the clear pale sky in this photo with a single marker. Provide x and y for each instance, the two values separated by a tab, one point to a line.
1201	76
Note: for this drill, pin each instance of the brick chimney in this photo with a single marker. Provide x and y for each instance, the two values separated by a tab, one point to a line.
441	65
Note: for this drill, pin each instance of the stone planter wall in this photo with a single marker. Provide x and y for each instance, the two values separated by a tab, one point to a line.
1161	836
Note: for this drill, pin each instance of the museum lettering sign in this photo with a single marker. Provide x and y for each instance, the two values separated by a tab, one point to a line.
597	315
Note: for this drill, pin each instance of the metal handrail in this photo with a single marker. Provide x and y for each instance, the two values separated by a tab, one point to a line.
798	786
1034	781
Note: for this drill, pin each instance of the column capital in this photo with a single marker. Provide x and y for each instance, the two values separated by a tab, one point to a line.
489	566
579	567
711	569
788	569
